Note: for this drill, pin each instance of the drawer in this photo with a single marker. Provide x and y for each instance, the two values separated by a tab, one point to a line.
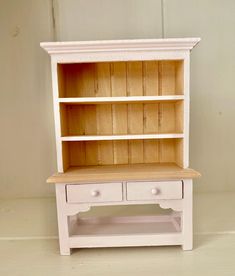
154	190
86	193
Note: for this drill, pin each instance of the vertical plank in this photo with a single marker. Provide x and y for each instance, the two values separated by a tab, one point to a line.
151	126
91	149
136	151
151	151
167	74
135	111
179	152
167	151
134	78
76	120
65	156
166	118
179	77
77	152
179	116
150	118
62	219
119	111
64	123
105	152
61	80
104	113
135	118
61	165
79	80
118	79
150	78
104	119
120	152
90	124
119	118
102	79
187	215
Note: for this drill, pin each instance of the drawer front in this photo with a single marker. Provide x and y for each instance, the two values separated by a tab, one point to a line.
86	193
154	190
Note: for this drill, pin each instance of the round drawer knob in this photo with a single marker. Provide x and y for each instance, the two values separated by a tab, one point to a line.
155	191
95	193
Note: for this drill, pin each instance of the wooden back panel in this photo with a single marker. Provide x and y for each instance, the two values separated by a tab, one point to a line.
121	79
135	78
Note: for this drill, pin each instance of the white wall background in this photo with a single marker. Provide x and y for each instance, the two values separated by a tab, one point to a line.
26	117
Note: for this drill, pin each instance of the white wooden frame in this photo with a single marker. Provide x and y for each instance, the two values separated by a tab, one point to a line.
119	50
110	51
182	209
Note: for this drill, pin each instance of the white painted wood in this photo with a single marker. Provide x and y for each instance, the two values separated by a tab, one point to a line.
125	231
75	208
123	220
130	99
154	190
120	50
187	216
125	240
140	45
186	110
121	137
119	56
94	193
62	219
115	231
57	116
74	198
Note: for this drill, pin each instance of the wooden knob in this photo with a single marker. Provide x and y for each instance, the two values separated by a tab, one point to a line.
155	191
95	193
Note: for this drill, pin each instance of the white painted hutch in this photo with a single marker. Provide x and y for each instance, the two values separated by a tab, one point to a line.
121	113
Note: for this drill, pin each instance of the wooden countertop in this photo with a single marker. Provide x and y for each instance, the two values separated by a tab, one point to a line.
108	173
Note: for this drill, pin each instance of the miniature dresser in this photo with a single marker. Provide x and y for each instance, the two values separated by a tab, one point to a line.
121	112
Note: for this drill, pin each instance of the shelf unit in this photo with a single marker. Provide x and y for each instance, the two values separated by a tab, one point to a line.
122	131
120	112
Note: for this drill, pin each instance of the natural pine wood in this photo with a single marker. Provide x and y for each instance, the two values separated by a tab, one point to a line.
131	118
131	151
123	172
134	78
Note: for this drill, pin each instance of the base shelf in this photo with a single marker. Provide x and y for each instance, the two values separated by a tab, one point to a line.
125	231
156	171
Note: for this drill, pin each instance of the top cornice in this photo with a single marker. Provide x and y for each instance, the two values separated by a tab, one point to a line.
71	47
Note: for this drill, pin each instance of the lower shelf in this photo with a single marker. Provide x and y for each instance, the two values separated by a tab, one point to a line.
125	231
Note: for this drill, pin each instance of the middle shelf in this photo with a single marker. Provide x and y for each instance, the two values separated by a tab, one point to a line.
120	121
122	137
129	99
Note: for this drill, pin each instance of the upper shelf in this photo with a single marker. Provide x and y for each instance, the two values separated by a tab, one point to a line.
131	99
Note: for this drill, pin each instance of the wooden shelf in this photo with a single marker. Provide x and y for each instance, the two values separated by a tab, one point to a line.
122	137
164	171
131	99
124	231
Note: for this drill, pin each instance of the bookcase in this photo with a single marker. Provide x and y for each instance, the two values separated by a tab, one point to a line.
122	136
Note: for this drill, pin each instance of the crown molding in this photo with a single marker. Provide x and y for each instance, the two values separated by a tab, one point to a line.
136	45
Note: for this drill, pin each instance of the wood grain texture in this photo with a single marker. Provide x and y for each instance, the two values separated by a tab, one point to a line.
137	80
123	172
